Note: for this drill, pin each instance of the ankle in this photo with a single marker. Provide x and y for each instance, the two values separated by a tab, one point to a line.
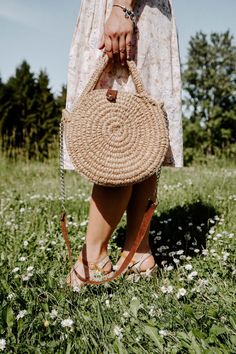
93	253
141	249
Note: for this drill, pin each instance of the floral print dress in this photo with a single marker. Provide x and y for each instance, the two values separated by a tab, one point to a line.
156	53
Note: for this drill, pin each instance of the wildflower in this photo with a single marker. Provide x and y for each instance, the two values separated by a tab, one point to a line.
21	314
171	254
22	259
225	255
22	210
188	267
118	331
205	252
179	252
182	256
53	314
167	289
11	296
176	260
46	323
25	243
170	267
192	275
41	242
30	268
202	282
152	311
2	344
163	332
15	270
68	322
25	277
196	250
107	302
126	314
181	292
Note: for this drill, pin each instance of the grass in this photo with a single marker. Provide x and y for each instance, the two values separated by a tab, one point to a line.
192	237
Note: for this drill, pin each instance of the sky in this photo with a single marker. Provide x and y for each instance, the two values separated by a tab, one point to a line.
41	31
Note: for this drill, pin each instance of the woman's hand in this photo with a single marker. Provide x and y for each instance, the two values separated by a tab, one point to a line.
117	36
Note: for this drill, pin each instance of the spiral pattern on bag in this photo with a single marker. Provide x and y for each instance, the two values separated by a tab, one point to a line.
116	143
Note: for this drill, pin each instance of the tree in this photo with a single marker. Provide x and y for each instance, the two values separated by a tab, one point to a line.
61	98
29	114
18	105
209	81
46	116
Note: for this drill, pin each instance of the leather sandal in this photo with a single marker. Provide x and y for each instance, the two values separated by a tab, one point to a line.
92	270
134	267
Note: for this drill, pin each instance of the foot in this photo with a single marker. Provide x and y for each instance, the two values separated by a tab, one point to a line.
141	262
89	270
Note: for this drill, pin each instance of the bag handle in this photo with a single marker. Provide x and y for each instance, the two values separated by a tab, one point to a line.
141	233
101	65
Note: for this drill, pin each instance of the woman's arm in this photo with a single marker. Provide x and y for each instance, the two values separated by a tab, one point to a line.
118	32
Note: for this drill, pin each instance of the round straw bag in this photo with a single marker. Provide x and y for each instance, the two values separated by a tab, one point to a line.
116	138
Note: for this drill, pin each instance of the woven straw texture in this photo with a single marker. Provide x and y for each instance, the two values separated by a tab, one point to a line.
116	143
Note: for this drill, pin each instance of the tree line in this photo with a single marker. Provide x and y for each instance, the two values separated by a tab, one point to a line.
30	113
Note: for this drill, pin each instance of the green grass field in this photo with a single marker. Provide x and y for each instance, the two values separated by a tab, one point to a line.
188	307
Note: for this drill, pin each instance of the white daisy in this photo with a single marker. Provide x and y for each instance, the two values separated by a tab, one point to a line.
118	331
21	314
163	332
2	344
181	292
188	266
53	314
68	322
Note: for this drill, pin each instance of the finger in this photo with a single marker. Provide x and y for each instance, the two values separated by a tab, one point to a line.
128	41
122	48
115	47
108	46
101	42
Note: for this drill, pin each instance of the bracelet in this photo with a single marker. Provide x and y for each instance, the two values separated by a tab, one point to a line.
128	13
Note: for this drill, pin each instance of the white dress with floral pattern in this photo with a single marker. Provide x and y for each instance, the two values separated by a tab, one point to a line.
156	53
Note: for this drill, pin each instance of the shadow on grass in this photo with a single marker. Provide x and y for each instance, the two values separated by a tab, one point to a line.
181	228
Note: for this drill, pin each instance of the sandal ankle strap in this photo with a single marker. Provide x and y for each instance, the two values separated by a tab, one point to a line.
94	265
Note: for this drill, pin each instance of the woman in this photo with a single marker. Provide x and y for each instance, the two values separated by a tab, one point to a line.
153	44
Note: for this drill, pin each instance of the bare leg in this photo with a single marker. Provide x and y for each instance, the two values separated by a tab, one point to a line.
107	206
135	211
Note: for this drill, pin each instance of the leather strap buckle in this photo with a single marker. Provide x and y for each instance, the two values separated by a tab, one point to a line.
111	95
